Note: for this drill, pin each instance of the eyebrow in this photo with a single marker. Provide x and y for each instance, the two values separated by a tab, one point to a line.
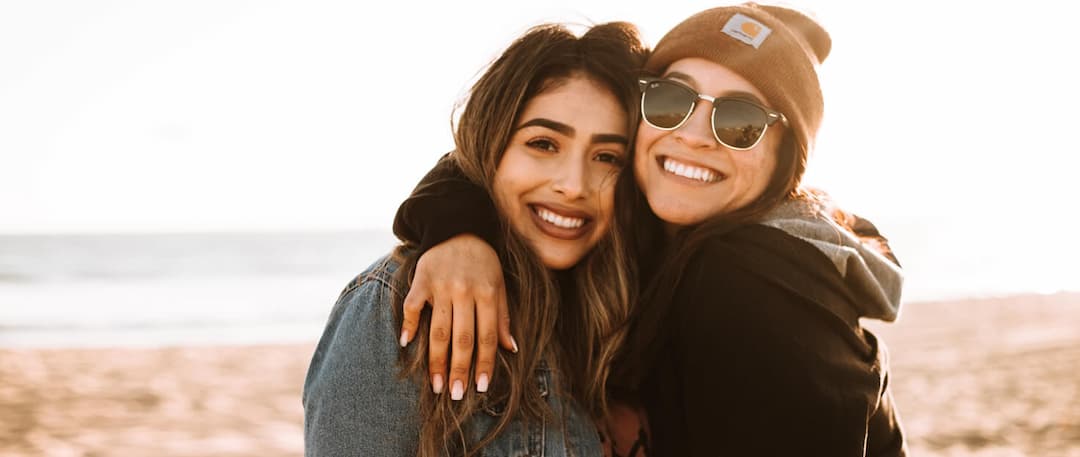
683	76
733	93
744	95
570	131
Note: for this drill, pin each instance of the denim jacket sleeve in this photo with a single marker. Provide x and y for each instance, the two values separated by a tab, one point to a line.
355	403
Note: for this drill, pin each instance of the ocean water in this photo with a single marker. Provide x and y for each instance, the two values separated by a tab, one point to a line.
165	289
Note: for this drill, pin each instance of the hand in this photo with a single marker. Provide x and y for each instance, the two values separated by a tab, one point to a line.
626	430
463	281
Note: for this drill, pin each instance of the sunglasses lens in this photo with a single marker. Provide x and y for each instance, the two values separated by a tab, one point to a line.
738	124
666	104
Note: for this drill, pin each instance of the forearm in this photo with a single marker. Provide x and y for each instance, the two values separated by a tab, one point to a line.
445	204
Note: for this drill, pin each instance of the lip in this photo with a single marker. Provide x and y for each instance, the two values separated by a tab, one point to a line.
720	176
555	231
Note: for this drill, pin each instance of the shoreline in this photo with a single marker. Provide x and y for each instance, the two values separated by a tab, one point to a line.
974	377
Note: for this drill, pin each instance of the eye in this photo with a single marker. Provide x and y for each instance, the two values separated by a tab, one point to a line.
543	144
609	157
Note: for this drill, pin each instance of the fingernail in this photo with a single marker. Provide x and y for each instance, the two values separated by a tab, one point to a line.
458	391
436	383
404	341
482	383
514	342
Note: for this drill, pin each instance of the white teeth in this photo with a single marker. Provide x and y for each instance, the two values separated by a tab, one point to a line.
560	221
688	171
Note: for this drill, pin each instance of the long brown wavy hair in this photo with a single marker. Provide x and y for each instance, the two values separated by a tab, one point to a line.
569	321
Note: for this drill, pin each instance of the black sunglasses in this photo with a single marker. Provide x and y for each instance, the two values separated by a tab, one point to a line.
736	122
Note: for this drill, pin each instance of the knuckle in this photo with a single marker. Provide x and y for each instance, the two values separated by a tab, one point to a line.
486	291
414	304
436	364
409	321
488	338
464	339
440	335
459	371
458	287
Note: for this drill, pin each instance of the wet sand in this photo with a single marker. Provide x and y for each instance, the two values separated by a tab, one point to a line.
991	377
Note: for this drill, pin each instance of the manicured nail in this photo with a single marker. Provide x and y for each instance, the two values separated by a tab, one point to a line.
482	383
514	342
404	341
458	391
436	384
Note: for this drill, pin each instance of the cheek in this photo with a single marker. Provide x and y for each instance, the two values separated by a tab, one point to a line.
646	137
504	185
758	170
501	195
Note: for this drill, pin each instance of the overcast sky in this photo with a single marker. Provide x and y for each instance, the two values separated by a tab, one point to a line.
943	121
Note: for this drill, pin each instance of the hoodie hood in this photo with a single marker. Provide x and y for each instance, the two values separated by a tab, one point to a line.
874	279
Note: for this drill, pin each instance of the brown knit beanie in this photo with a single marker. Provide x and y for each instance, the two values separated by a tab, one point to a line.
777	49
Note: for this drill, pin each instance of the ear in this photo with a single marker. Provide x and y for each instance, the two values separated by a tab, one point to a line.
805	27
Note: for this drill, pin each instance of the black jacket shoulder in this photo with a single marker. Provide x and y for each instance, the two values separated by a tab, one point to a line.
762	358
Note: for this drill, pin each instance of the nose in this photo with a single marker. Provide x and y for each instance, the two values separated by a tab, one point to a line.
572	179
697	131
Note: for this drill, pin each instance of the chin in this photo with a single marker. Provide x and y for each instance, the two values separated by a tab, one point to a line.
560	263
677	214
560	260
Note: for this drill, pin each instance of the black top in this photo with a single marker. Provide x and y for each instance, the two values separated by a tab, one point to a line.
760	352
762	355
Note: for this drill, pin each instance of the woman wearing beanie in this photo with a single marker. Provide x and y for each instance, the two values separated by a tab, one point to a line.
545	131
745	339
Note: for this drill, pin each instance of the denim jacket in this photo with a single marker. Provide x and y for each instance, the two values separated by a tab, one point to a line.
355	402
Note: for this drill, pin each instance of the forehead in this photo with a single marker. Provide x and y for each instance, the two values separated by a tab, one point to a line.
710	78
580	102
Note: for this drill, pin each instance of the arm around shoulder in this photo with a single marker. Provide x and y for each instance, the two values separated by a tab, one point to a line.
444	204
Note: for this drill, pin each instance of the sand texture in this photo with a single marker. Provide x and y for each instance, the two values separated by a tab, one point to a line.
991	377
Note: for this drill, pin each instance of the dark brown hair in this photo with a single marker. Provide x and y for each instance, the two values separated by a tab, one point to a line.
569	321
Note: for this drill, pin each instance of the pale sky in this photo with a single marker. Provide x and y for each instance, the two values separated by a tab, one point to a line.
948	122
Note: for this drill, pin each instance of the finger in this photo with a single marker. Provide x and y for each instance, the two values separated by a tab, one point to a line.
505	337
412	306
439	343
487	342
461	354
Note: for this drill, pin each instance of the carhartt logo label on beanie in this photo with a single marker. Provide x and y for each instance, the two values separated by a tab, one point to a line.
747	30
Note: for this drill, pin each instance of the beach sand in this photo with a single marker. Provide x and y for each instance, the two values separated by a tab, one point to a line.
991	377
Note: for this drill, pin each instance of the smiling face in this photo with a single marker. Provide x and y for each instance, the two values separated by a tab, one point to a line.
686	175
556	180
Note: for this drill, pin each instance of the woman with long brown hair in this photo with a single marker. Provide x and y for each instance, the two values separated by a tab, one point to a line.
544	133
746	340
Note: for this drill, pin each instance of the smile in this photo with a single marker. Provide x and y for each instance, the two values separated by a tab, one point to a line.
691	172
557	223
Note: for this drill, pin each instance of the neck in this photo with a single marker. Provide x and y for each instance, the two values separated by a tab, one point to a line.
670	230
